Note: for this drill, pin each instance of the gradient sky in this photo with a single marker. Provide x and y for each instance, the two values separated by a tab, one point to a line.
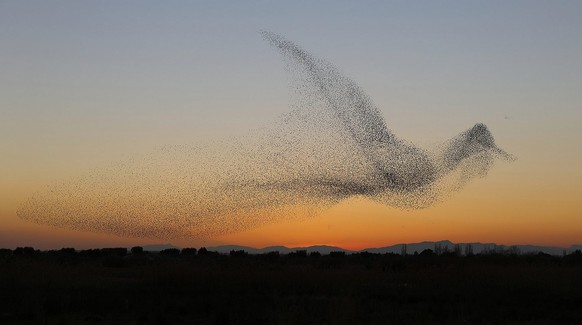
83	84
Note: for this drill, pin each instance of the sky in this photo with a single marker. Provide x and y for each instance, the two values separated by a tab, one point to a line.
84	84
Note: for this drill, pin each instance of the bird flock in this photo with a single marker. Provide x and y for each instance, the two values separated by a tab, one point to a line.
333	144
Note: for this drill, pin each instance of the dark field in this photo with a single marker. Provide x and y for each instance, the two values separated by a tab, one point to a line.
112	287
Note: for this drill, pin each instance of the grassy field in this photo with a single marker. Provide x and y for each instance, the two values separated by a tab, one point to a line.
112	287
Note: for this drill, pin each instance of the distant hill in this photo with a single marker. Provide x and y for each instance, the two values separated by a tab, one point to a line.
158	247
225	249
411	248
476	248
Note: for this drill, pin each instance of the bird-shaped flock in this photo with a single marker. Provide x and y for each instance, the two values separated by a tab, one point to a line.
332	145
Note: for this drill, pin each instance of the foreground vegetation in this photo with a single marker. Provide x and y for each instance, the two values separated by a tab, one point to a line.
116	286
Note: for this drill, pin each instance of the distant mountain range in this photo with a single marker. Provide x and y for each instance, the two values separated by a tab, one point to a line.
444	245
158	247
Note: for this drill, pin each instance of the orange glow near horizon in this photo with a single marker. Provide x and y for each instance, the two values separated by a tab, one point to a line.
481	213
487	210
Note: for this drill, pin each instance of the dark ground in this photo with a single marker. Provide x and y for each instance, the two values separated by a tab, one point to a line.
111	287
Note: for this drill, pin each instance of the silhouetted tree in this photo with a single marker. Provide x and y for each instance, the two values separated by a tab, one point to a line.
90	253
457	250
170	252
574	258
271	256
188	252
513	250
136	250
202	251
68	251
337	254
66	255
438	249
5	252
445	249
366	254
488	250
315	254
403	250
298	253
468	249
427	252
239	253
25	251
